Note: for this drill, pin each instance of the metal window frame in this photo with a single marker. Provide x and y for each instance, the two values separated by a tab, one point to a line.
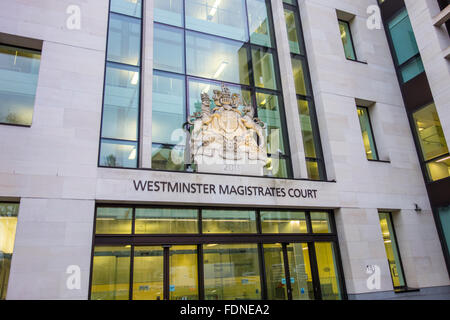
199	239
377	154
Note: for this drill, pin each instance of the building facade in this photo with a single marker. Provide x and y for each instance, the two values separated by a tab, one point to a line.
101	193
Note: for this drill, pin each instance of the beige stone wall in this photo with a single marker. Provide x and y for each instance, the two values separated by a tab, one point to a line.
52	166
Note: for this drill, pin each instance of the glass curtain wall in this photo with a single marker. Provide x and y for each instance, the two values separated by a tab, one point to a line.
305	99
214	254
119	146
200	44
8	224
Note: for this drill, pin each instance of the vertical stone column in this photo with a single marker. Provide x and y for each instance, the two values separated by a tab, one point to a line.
361	244
51	235
147	87
289	95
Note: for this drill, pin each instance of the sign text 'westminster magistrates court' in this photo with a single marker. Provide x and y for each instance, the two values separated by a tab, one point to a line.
223	189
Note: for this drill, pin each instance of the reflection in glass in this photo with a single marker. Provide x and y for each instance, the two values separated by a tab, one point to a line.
346	38
269	112
197	87
312	166
183	273
259	23
298	68
168	112
292	25
307	128
118	154
168	48
168	12
264	69
19	71
222	18
115	220
278	168
124	40
231	272
148	273
328	275
8	224
392	251
127	7
111	273
320	222
215	58
275	272
300	271
228	221
283	222
167	157
366	129
166	221
121	103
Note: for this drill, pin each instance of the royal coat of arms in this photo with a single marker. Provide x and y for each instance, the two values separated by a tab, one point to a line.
226	134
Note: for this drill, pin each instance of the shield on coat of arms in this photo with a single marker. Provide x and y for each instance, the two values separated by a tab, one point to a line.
229	121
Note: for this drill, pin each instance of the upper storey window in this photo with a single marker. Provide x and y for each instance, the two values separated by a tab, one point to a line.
405	46
19	71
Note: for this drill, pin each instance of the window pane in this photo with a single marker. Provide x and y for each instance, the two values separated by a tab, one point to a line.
168	49
148	273
392	252
300	271
183	273
121	103
231	272
307	128
283	222
269	112
19	71
367	134
166	221
258	20
264	69
8	224
130	8
430	133
228	221
113	220
167	158
111	273
293	28
299	70
118	154
403	37
222	18
197	87
169	12
412	69
277	168
168	112
313	170
347	40
444	217
439	169
275	272
320	222
214	58
124	40
328	275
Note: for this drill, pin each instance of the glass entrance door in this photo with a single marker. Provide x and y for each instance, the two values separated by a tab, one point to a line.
288	271
165	272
